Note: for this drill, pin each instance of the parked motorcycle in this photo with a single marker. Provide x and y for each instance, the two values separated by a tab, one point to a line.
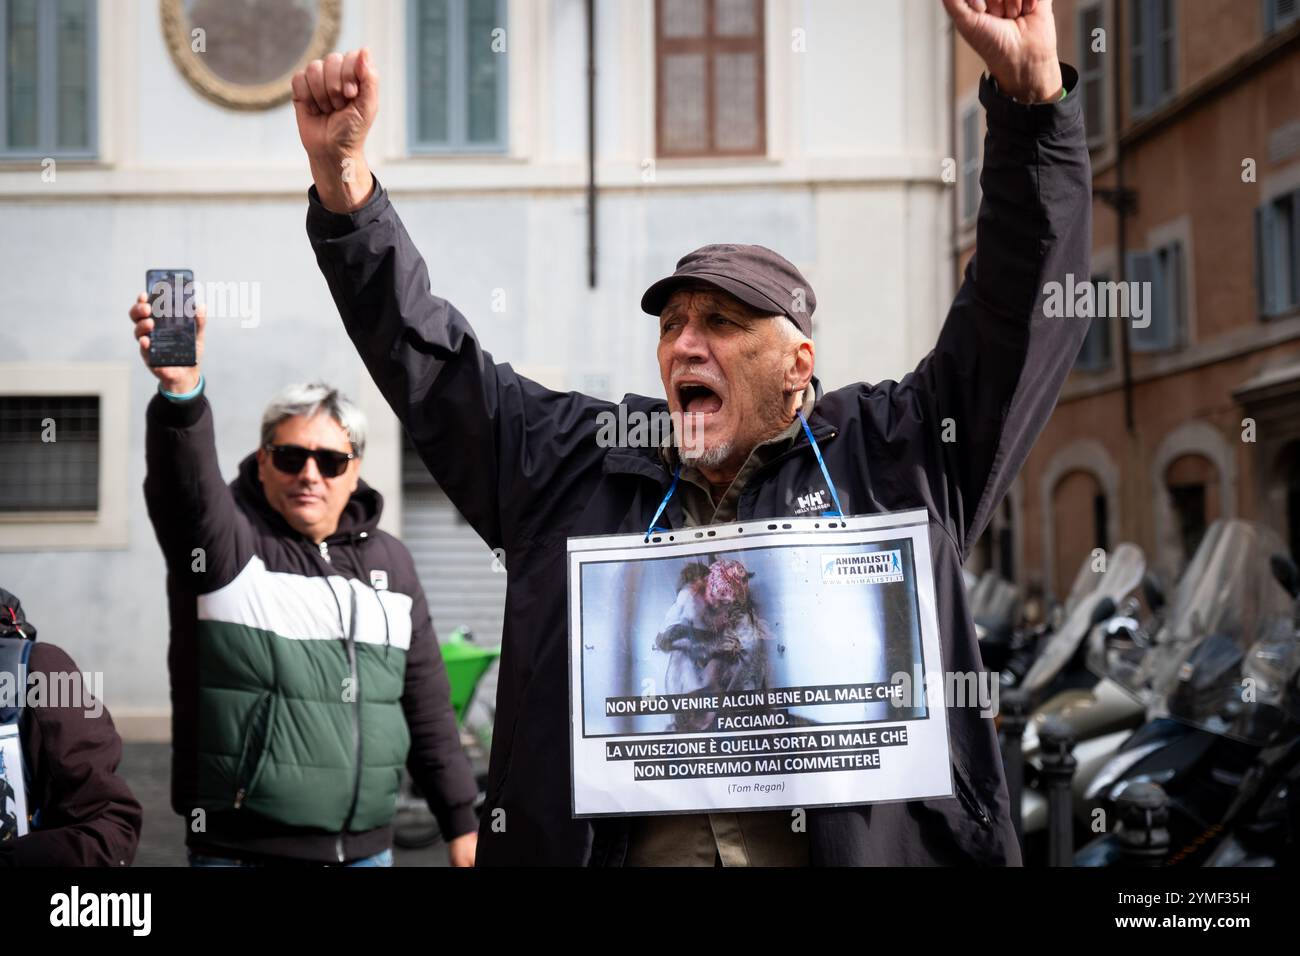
1262	825
995	608
1059	684
1093	598
1214	685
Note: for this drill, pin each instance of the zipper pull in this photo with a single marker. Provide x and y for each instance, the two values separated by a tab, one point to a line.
324	550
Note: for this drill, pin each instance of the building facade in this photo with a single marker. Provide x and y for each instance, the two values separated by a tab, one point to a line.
1184	405
816	127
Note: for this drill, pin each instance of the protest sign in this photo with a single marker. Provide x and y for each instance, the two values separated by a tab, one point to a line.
756	665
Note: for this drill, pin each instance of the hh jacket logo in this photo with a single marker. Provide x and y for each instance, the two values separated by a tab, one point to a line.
814	501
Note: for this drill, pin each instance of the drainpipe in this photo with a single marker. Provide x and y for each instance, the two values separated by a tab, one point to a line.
1123	202
955	133
591	144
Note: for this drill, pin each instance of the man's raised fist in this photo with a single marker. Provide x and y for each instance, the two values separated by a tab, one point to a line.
1017	41
336	100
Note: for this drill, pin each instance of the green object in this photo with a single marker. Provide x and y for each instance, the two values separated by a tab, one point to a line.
466	664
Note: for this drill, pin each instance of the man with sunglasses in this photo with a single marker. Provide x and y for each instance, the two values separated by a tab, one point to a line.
305	671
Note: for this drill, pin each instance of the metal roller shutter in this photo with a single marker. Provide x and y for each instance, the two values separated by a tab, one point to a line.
455	567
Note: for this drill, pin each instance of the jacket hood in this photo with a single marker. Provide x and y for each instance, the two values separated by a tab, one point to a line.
13	622
360	514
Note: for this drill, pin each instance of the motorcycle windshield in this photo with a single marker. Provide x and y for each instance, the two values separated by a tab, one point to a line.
1115	579
993	601
1221	660
1086	581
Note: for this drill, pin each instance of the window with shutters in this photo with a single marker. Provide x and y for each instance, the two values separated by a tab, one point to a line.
970	164
1277	255
1164	294
1093	76
709	66
47	79
1279	14
457	55
1095	355
1152	54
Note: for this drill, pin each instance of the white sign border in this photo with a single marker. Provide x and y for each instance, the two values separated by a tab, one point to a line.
758	533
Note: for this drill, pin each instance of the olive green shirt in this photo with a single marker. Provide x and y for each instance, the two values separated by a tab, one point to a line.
761	838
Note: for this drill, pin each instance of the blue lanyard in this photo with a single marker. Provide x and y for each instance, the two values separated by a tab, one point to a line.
821	463
663	504
838	512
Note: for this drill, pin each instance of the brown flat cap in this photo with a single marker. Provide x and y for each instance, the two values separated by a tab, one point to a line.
755	275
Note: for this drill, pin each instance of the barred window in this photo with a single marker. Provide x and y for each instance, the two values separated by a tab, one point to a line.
49	453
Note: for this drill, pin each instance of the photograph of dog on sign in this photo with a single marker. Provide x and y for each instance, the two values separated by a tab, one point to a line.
775	636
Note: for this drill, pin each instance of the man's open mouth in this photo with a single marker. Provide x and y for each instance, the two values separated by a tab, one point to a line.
697	399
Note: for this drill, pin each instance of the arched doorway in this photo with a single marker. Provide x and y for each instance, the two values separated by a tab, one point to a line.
1080	517
1286	476
995	549
1195	500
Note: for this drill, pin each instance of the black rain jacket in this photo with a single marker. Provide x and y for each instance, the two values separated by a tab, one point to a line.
523	465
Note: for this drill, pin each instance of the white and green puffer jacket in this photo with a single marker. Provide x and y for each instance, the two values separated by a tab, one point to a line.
304	676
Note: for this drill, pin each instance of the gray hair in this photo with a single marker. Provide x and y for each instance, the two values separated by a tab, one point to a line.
791	334
310	400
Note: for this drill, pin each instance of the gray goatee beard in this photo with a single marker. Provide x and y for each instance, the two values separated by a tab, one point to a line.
773	408
697	457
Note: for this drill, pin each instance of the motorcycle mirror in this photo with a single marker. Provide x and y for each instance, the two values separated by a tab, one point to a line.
1153	593
1104	608
1284	569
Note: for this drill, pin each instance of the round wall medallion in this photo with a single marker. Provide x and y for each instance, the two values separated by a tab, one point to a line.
243	53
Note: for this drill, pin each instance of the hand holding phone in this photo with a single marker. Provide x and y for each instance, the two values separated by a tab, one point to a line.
169	328
172	303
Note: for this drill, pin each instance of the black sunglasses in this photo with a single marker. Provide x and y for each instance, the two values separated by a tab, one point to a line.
290	459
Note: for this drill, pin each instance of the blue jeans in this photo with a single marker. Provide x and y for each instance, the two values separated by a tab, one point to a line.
203	860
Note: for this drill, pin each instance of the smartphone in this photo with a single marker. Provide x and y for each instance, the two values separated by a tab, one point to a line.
172	305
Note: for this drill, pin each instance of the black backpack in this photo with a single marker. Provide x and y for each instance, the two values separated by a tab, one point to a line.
16	637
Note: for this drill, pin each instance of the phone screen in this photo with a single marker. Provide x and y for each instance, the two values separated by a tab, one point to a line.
172	304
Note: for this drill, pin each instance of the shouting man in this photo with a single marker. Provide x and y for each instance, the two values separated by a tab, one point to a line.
736	357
